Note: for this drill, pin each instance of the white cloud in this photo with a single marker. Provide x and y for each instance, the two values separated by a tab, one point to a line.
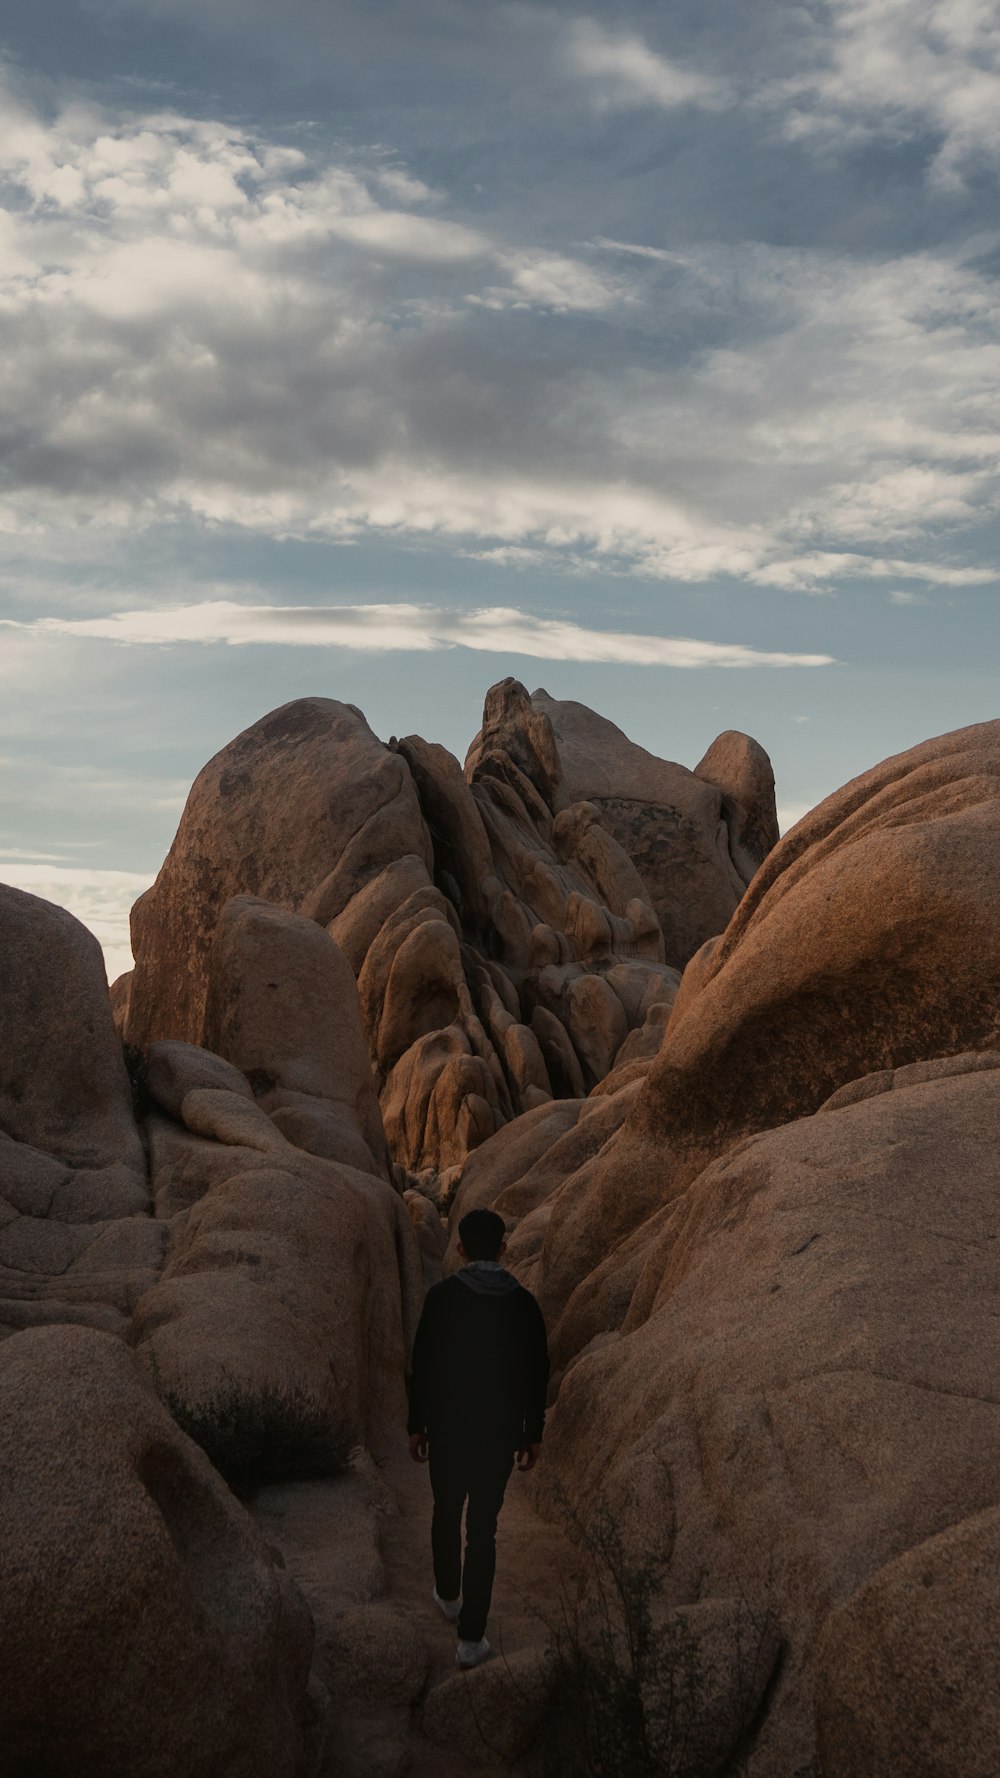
891	69
637	250
625	71
100	899
205	324
899	596
420	628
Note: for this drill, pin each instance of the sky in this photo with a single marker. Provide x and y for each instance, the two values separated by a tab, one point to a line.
378	351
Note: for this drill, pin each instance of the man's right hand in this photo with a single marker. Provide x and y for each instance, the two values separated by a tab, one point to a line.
418	1447
527	1457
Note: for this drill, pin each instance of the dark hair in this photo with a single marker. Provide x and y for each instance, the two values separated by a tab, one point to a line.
481	1233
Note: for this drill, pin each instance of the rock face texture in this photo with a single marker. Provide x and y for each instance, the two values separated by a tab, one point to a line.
77	1242
307	800
868	940
809	1390
696	838
758	1201
146	1626
909	1676
509	930
279	1328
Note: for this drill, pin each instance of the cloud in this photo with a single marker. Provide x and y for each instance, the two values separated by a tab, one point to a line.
100	899
624	71
893	69
420	628
208	325
899	596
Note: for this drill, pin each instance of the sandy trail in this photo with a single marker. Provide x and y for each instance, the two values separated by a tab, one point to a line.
534	1561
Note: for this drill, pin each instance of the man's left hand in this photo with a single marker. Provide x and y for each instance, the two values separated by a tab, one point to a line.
418	1447
527	1457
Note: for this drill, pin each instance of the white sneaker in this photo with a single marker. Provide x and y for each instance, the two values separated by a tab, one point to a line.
450	1607
469	1654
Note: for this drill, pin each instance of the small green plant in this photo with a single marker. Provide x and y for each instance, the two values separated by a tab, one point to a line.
257	1436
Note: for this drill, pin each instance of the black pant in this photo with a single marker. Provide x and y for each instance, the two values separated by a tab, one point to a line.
479	1473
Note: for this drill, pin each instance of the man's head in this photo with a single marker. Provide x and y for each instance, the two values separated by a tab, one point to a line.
482	1234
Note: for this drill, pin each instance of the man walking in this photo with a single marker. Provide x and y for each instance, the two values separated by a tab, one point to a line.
477	1396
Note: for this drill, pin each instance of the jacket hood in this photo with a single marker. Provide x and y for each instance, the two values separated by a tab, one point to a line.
488	1278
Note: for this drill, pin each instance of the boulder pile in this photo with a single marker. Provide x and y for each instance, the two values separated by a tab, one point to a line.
738	1101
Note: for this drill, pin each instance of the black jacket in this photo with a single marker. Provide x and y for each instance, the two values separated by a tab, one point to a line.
480	1361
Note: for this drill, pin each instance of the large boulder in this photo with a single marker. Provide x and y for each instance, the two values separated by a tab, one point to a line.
805	1387
279	1327
63	1084
502	925
76	1239
694	845
738	766
869	939
306	805
146	1626
909	1669
282	1007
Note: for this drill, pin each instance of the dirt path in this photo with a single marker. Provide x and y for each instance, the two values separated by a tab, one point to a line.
534	1561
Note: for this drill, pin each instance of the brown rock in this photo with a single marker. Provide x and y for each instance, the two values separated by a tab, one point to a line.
278	1332
431	1232
496	1709
868	940
119	993
63	1085
76	1240
808	1366
149	1629
282	1006
666	819
562	1064
175	1069
909	1668
357	927
740	768
439	1101
462	853
516	747
304	804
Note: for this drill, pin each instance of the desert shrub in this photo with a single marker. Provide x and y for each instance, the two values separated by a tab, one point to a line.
633	1697
257	1436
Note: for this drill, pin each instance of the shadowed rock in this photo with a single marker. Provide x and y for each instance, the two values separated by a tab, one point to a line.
147	1628
76	1239
805	1386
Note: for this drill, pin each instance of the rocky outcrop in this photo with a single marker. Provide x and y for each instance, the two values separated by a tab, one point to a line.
739	767
147	1627
909	1668
77	1242
278	1330
305	803
695	838
867	941
803	1388
504	937
282	1008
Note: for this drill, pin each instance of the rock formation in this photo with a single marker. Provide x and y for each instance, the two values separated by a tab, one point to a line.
77	1242
757	1200
147	1627
508	930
